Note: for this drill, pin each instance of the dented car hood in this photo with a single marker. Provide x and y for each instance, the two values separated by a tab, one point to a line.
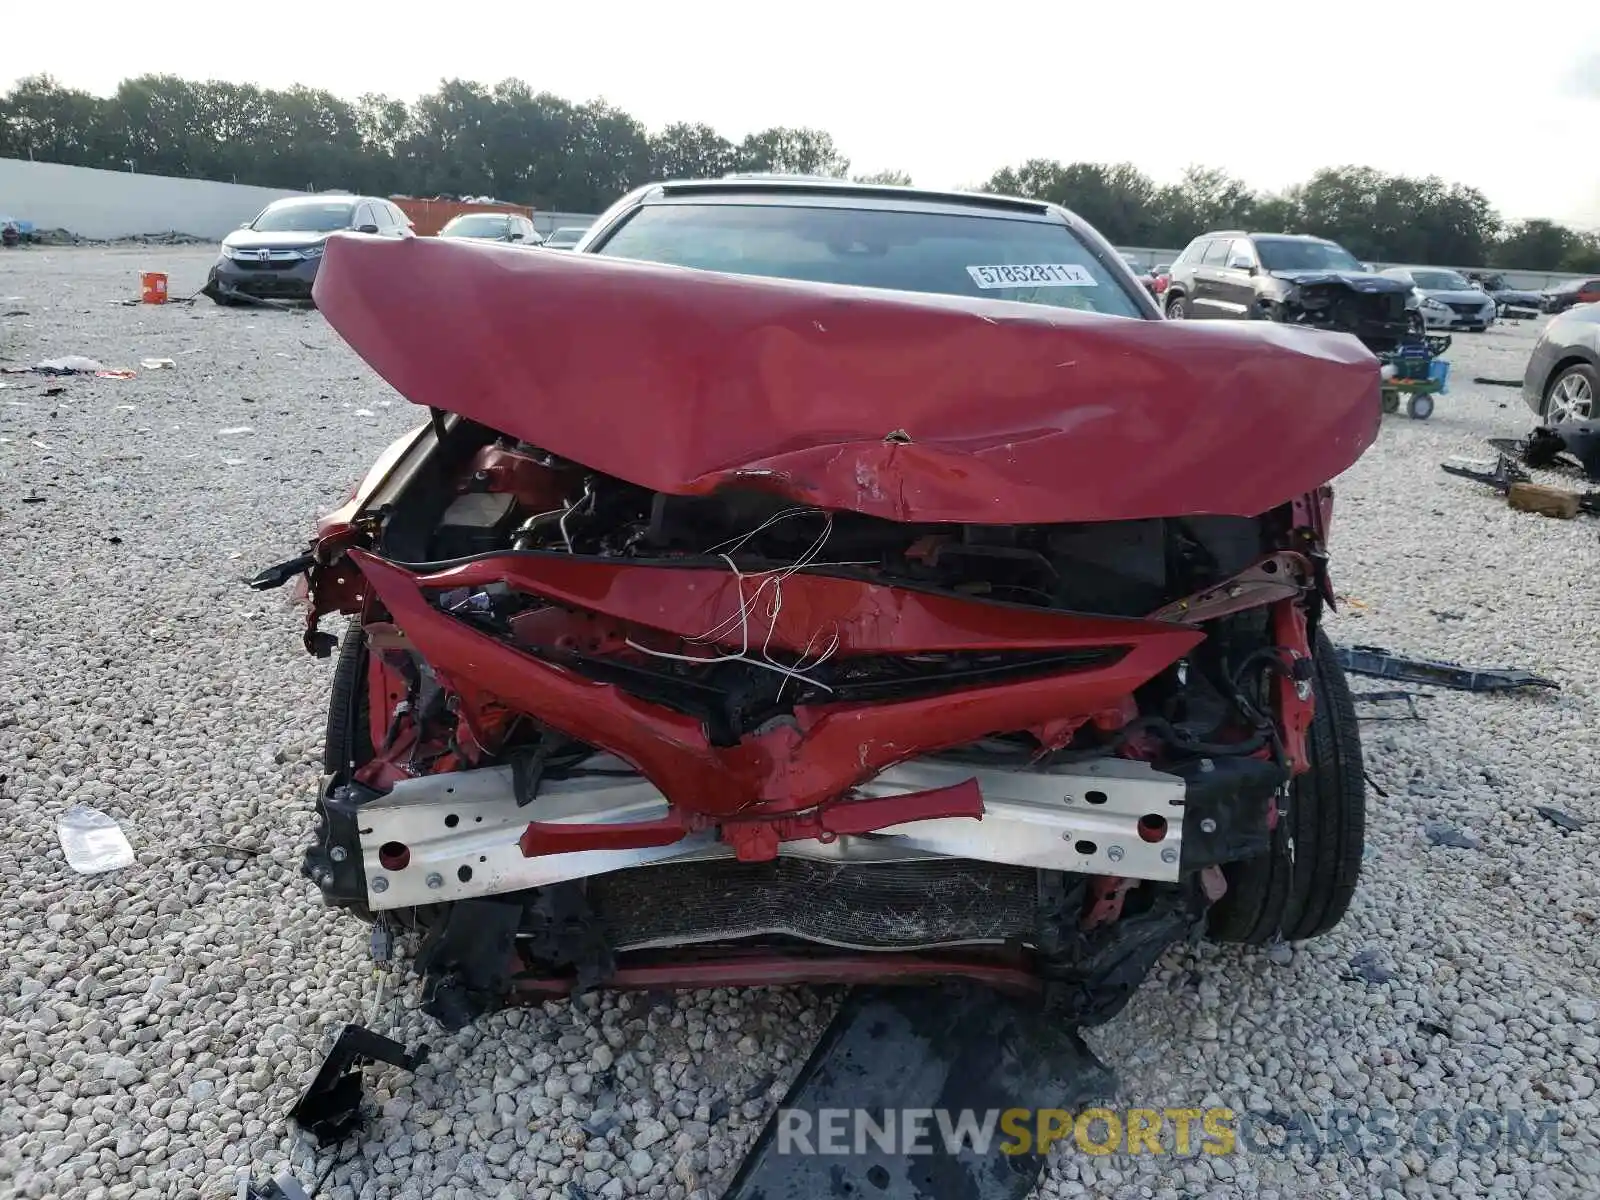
897	405
1355	280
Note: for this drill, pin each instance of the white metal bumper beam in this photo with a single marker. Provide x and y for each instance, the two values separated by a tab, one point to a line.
455	836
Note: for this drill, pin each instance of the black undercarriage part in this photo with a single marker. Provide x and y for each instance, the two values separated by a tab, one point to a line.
1383	664
892	1052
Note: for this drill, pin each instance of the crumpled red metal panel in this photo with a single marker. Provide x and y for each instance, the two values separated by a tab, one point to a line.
828	749
686	381
705	603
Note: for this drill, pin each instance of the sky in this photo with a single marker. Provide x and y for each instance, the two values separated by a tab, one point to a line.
1502	96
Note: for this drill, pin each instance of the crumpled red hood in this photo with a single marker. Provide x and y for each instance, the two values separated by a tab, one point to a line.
686	381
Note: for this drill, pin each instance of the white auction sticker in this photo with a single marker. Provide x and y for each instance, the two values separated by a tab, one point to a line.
1020	275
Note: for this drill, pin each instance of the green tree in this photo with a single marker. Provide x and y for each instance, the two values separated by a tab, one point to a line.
1534	245
683	151
1116	198
891	177
793	151
41	119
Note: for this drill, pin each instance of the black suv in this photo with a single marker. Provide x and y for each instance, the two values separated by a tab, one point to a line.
1293	278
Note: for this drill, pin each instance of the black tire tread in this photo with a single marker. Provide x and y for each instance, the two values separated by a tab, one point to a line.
348	740
1272	897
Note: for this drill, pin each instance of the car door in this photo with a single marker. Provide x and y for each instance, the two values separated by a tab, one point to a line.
1206	300
1589	291
1236	279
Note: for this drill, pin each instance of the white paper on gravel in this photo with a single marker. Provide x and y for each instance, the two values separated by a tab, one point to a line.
93	842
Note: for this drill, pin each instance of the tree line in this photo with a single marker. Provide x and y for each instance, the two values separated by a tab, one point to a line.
510	142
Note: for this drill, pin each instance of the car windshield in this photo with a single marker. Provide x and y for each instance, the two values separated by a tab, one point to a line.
304	218
478	226
565	237
1036	262
1444	281
1286	254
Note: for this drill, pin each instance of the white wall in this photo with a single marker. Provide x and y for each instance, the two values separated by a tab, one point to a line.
109	204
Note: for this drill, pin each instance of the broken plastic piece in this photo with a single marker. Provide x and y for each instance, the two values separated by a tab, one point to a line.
904	1050
284	1187
1383	664
71	364
156	364
276	577
1564	821
1441	834
93	842
330	1110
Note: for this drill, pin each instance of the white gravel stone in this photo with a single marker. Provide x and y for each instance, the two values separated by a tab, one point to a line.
156	1021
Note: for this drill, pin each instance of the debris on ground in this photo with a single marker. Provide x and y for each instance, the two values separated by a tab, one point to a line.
1561	819
895	1051
1408	698
1510	383
1367	966
93	842
1517	486
1439	833
71	364
1567	445
1545	500
1385	664
331	1108
156	364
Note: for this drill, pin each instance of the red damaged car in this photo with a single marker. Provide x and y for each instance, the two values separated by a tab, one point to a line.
813	581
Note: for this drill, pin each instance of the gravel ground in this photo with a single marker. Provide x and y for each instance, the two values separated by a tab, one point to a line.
158	1021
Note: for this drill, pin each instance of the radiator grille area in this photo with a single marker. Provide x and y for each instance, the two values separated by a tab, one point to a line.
883	906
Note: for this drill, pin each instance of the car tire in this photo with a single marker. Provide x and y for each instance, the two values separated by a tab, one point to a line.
1570	395
347	743
1302	887
1177	308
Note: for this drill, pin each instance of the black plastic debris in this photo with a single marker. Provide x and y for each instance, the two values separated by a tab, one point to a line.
284	1187
1385	664
1569	444
1441	834
466	960
1367	966
330	1110
1499	475
1409	699
892	1052
1562	820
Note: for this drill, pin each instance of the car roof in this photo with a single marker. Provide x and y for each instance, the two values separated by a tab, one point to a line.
296	201
1277	237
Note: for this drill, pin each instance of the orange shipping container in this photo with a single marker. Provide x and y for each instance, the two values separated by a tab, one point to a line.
430	216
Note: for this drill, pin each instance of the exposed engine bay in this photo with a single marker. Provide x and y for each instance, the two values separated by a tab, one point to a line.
1164	777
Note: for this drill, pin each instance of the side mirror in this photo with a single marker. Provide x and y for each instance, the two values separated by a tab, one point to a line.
514	236
1241	264
366	229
